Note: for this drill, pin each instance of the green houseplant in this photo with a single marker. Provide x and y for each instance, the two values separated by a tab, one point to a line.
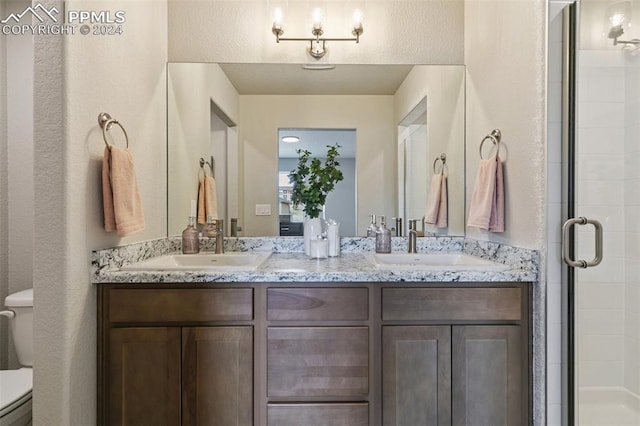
312	181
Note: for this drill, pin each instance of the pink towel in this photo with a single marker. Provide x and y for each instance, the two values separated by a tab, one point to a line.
487	202
436	212
120	196
207	199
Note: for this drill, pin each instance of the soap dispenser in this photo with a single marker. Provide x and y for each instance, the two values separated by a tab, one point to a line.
372	228
383	237
190	238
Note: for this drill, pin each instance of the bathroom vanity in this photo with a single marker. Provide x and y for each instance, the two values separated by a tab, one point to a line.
263	348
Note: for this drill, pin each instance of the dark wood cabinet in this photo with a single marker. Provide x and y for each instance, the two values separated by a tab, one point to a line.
217	376
472	368
416	375
314	354
144	376
171	356
489	376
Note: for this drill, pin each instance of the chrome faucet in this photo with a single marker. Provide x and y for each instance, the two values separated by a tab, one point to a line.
219	236
412	235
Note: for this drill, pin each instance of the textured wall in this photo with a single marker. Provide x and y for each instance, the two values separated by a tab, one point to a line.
76	78
399	31
505	58
4	230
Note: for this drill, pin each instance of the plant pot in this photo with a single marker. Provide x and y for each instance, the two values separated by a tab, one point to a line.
312	228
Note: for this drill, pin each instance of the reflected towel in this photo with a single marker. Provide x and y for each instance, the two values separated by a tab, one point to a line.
120	196
487	202
207	199
436	212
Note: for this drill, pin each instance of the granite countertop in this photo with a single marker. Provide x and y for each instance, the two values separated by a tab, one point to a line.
294	266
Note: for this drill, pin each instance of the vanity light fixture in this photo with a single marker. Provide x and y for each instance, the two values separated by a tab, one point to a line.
290	139
618	18
317	44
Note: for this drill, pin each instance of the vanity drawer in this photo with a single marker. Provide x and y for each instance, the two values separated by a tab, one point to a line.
318	361
347	414
317	304
180	305
451	304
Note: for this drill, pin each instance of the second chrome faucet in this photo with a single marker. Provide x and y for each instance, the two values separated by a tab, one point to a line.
413	233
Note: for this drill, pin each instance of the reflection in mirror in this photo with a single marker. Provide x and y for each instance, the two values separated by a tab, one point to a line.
253	101
341	202
432	126
412	137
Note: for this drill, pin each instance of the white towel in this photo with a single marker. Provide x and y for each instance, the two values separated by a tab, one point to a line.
487	202
437	212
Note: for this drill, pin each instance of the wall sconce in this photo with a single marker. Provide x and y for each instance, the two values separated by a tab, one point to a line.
317	44
617	19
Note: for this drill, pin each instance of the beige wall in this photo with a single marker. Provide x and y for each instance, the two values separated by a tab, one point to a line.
505	57
405	31
371	116
76	78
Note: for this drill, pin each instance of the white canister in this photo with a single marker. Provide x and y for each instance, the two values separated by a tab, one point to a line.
333	235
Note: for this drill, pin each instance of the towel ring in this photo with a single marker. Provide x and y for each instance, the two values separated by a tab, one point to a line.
494	137
442	157
106	122
212	169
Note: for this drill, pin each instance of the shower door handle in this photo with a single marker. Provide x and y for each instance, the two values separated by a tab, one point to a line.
565	242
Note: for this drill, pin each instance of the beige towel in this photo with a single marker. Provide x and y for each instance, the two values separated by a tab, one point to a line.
436	212
487	202
121	199
207	199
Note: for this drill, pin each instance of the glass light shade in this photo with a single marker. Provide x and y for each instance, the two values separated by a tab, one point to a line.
290	139
618	17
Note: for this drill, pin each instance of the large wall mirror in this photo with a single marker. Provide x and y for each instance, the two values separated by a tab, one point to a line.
236	112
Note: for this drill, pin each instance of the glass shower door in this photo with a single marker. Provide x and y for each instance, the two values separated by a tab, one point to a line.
604	211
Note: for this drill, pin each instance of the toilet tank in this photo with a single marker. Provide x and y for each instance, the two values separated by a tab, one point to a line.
22	324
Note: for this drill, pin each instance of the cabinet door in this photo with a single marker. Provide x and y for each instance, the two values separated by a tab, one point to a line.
217	376
144	376
416	375
488	378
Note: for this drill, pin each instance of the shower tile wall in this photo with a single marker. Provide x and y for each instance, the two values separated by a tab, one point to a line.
632	224
601	182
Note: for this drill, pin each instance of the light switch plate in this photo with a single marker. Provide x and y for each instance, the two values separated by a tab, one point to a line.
263	209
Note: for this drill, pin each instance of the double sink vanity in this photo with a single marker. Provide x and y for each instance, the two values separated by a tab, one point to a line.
264	335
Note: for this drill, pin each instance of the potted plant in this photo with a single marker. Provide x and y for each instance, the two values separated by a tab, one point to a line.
312	181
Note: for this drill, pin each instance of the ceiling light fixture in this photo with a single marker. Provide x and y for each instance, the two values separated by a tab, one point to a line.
618	18
317	45
290	139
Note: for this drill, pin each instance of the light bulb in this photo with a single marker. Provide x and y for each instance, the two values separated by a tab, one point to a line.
357	18
617	19
317	17
278	16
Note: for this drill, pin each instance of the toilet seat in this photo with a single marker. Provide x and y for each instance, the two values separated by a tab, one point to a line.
15	393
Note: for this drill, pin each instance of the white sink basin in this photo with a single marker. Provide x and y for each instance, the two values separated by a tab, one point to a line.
433	262
234	261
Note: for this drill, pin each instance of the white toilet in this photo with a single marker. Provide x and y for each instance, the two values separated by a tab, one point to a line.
16	385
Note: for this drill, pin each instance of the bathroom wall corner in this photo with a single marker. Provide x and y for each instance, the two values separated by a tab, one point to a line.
76	78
